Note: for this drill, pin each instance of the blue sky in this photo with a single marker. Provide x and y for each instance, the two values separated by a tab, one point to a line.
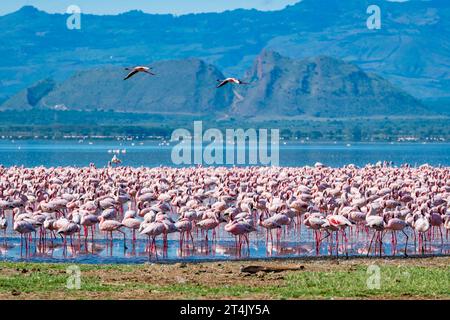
151	6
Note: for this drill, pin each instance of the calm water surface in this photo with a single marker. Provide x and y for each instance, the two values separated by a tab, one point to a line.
149	153
292	244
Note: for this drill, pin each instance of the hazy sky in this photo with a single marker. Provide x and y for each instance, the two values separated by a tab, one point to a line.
151	6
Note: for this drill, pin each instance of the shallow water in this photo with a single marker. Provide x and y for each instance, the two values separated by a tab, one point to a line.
31	153
290	245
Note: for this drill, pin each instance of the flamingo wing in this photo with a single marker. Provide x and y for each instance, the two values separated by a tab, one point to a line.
132	73
146	71
221	84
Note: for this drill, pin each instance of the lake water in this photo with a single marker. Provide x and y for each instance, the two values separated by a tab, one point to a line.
293	244
150	153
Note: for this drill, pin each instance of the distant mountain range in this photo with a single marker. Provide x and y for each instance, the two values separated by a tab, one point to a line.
319	86
180	86
42	63
279	87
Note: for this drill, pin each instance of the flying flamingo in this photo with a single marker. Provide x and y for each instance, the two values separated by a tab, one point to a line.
230	80
115	160
136	70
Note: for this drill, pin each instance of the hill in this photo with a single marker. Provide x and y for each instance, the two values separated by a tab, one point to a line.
319	87
411	49
279	87
180	86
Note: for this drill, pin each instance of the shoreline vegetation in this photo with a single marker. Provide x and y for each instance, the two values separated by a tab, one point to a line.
53	124
413	278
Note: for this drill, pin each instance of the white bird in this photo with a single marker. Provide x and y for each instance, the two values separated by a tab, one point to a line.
116	160
230	80
137	70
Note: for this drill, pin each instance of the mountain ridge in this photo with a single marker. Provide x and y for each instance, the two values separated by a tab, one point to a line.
278	86
411	50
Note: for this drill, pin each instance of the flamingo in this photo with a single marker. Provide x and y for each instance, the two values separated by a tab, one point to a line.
396	224
375	222
131	222
315	222
240	229
115	160
24	227
269	224
230	80
89	220
184	226
339	223
68	229
136	70
153	230
421	225
209	223
109	226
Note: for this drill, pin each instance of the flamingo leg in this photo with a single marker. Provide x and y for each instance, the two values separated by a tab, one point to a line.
192	239
406	244
370	245
124	239
381	242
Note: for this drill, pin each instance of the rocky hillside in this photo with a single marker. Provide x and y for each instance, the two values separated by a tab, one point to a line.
180	86
411	49
278	87
319	86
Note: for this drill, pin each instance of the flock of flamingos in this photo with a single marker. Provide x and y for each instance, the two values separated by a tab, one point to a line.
337	206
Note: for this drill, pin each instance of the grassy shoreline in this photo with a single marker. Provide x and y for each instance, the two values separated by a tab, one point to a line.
424	278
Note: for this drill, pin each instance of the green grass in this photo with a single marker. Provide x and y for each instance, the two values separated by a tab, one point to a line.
395	282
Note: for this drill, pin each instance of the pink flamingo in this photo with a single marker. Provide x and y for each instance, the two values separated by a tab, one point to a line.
24	227
395	225
109	226
240	229
184	226
153	230
130	222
